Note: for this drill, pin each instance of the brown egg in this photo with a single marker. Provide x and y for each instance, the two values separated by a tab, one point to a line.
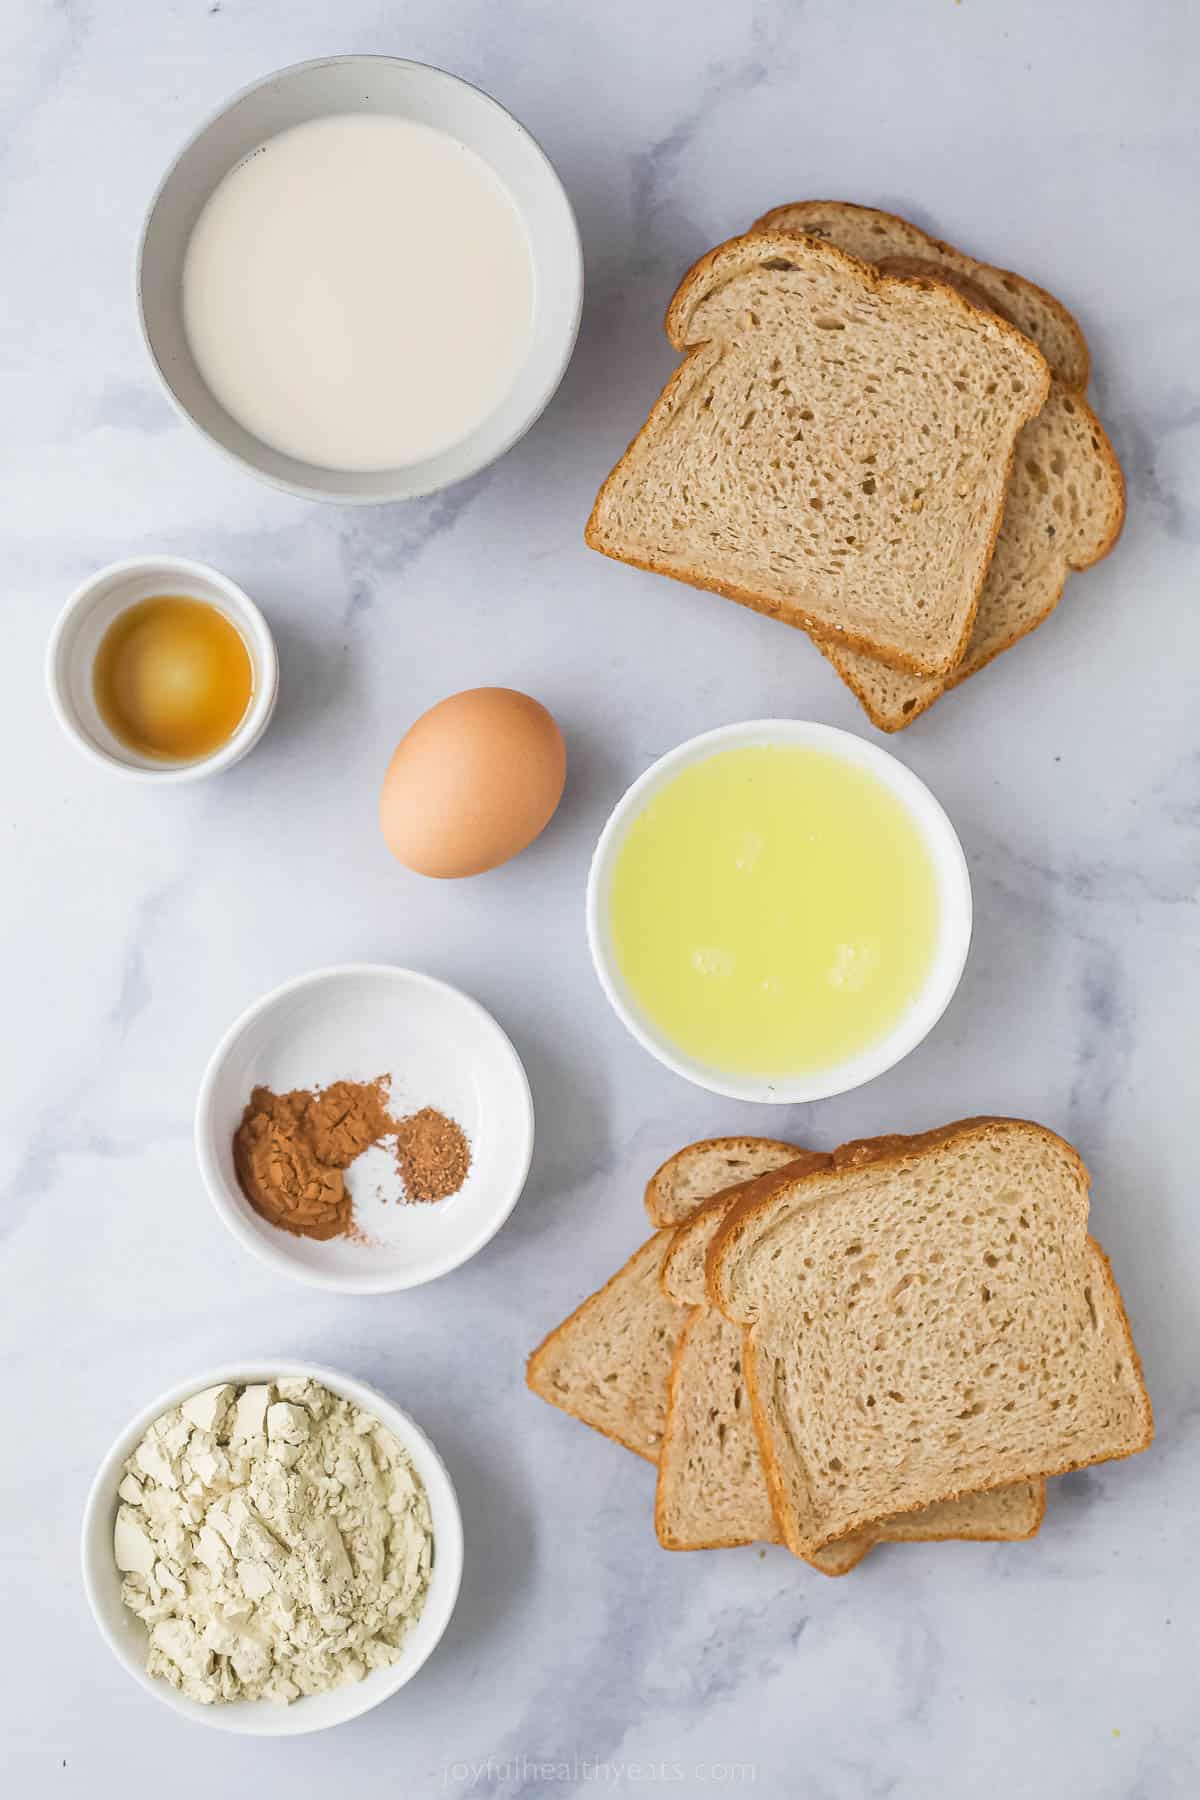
474	781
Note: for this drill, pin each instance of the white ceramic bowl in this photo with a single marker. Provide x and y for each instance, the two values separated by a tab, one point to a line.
71	657
954	894
366	84
440	1049
126	1636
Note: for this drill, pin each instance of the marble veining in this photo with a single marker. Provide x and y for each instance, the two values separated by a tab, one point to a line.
1063	142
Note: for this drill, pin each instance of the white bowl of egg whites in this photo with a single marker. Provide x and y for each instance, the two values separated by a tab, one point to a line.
361	279
953	911
126	1635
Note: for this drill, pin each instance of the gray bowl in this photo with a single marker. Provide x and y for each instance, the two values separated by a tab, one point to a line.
364	84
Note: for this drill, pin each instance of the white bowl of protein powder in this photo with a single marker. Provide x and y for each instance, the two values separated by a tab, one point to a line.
362	279
341	1590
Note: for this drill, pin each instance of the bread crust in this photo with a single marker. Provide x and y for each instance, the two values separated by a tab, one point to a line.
879	1152
666	1275
755	246
661	1528
779	1501
916	268
972	664
892	1147
1075	371
803	620
967	1536
853	1154
654	1211
1104	1263
864	1523
805	1162
534	1376
752	246
842	1553
833	1564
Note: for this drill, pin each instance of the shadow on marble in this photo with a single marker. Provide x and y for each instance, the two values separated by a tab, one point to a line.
620	363
573	1138
498	1533
596	779
311	679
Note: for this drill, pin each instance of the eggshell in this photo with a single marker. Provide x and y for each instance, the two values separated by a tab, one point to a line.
473	782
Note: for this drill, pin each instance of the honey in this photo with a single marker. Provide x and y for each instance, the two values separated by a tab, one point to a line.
173	678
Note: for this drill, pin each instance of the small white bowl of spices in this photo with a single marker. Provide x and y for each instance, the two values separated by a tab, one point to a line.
305	1602
364	1128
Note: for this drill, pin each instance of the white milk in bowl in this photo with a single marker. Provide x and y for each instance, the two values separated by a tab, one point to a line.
358	292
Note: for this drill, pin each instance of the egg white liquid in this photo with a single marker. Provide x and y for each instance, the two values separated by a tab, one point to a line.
358	292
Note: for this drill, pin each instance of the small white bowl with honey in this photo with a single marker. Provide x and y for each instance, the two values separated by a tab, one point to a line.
162	669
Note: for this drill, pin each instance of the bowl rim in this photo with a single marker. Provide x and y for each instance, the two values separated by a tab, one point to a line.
337	1281
937	831
102	1497
572	248
241	610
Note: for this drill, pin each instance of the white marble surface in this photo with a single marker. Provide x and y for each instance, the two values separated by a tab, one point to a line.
136	924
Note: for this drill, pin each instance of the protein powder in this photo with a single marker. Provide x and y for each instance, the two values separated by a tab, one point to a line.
275	1540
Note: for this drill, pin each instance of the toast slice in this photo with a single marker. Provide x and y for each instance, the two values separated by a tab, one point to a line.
609	1363
712	1488
879	237
738	1508
1064	511
833	451
968	1332
1065	503
699	1171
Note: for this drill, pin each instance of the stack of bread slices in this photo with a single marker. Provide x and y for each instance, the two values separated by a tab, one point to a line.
876	438
900	1341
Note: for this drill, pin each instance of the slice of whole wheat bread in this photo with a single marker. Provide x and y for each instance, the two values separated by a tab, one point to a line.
703	1352
1063	512
712	1488
698	1171
877	236
834	450
716	1502
1065	502
711	1491
609	1363
926	1318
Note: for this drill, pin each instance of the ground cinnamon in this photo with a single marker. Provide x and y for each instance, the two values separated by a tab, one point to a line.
290	1151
